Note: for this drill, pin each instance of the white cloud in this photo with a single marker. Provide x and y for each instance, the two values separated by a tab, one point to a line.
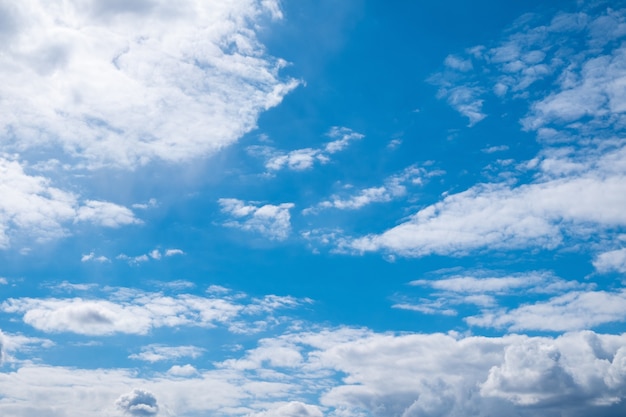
91	256
269	220
156	353
136	312
3	281
31	206
306	158
458	63
291	409
611	261
127	76
182	371
500	216
174	252
466	100
394	187
352	372
138	402
571	311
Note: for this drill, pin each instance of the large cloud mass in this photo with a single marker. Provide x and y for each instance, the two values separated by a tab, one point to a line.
123	83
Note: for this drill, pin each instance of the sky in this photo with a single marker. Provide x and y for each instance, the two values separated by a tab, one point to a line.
304	208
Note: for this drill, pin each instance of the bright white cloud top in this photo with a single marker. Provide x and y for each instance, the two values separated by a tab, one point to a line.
261	208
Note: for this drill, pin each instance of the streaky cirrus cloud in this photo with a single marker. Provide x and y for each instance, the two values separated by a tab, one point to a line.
111	84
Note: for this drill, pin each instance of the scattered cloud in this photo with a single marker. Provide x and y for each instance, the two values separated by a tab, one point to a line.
306	158
394	187
173	252
269	220
91	257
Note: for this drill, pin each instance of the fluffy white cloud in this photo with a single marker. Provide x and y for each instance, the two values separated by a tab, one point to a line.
111	83
611	261
269	220
136	312
31	206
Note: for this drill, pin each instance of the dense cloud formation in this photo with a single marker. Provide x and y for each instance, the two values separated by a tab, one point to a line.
138	403
128	76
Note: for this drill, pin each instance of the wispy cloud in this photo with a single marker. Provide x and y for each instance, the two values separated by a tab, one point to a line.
306	158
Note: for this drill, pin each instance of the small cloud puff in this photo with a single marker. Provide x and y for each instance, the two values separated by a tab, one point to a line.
139	403
272	221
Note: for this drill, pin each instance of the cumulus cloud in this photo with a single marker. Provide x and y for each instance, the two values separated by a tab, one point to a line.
127	76
138	402
351	372
272	221
306	158
32	206
91	257
611	261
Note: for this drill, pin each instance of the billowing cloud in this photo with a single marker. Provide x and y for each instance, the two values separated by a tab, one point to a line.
269	220
139	403
352	372
112	83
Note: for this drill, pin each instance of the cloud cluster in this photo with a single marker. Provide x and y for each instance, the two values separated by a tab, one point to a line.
353	372
31	206
157	353
269	220
111	83
306	158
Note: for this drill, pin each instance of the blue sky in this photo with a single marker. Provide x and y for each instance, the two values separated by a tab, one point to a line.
305	209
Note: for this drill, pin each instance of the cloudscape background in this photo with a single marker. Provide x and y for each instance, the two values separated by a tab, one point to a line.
306	208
